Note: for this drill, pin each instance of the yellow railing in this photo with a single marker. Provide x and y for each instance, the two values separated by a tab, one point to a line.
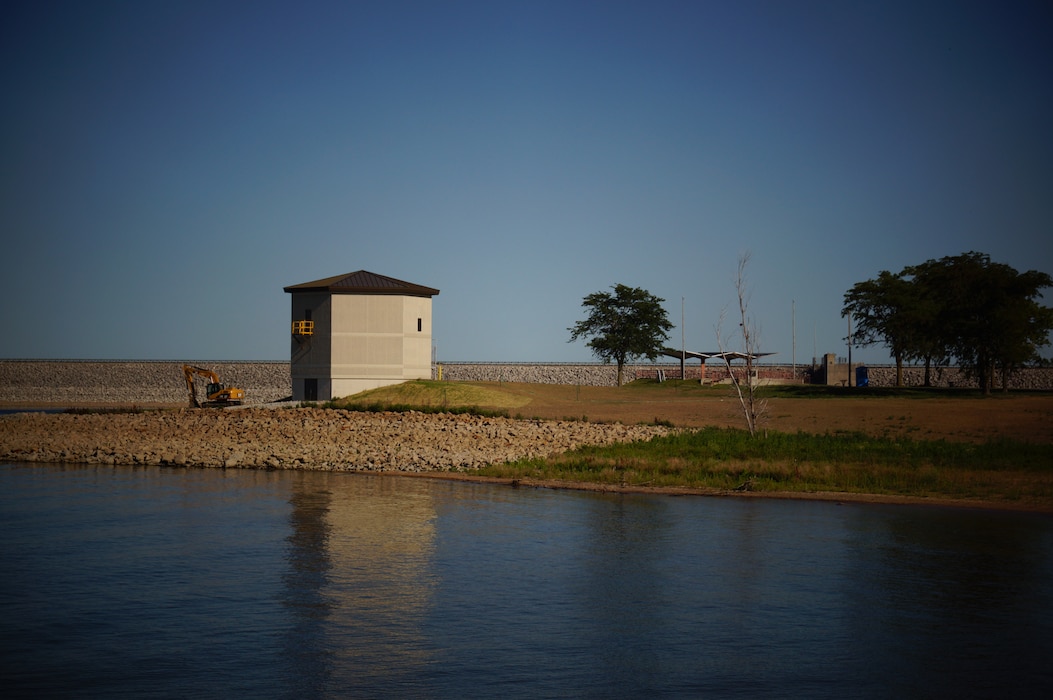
303	327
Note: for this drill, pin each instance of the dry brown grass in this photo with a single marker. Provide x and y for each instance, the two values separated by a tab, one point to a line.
934	416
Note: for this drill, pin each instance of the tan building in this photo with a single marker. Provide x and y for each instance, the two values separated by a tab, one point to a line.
356	332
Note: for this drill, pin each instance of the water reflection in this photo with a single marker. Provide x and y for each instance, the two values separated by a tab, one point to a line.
623	589
929	571
201	583
360	549
305	584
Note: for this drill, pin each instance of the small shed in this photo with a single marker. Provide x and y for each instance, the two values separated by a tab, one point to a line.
358	331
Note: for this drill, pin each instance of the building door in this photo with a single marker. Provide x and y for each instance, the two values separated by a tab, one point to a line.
310	390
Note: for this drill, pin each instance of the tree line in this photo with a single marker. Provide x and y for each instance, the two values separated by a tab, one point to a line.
965	309
984	316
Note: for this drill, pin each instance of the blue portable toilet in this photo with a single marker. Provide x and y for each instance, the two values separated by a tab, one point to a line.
862	376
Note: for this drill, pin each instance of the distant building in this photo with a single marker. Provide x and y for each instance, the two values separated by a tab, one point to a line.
837	372
356	332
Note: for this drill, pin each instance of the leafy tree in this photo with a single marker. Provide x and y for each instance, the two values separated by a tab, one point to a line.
928	339
886	310
988	315
628	324
985	315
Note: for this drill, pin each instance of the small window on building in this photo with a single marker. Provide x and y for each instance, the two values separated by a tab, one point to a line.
419	325
307	315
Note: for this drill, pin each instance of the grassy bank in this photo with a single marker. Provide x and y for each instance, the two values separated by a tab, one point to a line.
726	459
912	442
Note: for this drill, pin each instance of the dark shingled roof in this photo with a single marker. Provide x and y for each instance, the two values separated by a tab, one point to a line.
363	282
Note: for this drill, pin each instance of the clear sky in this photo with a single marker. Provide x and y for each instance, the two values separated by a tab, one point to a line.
166	168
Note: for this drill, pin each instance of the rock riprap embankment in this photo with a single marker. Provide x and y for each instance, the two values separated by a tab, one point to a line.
68	383
297	438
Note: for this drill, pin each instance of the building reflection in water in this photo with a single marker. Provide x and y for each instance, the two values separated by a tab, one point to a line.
359	568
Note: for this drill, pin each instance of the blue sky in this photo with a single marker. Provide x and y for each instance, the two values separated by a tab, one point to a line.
167	168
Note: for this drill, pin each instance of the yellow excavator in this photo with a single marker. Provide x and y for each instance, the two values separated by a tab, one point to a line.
216	395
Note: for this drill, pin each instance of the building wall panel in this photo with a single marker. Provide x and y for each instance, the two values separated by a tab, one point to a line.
362	341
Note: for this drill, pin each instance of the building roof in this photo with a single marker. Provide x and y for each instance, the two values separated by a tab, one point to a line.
363	282
703	356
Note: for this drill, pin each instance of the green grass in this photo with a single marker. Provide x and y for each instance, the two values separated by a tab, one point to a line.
727	459
427	394
382	407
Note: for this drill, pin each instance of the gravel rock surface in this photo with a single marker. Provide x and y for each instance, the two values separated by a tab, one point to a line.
297	438
68	383
79	383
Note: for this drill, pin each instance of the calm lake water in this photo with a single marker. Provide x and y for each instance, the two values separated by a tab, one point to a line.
171	583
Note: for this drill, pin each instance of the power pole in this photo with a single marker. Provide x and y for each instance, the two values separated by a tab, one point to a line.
683	346
849	349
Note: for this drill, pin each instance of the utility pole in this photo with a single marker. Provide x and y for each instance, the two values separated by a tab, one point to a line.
793	326
683	346
849	349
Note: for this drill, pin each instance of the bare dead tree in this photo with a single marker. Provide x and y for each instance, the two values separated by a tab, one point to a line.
752	407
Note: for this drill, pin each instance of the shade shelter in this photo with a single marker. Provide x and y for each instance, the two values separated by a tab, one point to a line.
723	356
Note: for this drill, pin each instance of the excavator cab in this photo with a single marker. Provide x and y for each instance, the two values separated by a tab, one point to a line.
219	395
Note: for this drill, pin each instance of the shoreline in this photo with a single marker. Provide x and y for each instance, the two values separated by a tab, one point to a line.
834	496
439	446
298	438
837	497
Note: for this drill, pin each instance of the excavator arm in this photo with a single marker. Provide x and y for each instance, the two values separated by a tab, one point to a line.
216	394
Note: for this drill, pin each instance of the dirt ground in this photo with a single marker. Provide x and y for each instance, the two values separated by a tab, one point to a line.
1025	417
970	418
